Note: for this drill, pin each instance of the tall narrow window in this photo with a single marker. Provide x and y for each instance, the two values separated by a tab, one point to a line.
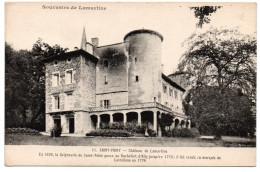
170	91
106	103
69	101
136	78
105	63
56	102
165	88
176	94
55	79
135	60
106	80
69	77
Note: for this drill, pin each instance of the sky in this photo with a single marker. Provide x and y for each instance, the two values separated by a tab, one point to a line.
26	22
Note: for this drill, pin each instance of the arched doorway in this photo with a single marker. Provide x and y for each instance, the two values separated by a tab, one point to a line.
176	123
104	120
93	119
132	117
118	117
187	124
182	124
147	118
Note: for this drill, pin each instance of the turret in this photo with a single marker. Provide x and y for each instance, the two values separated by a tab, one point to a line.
144	73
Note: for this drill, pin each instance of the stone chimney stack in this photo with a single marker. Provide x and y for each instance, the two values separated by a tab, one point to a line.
94	42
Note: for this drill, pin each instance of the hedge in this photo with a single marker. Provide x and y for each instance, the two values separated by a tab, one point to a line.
20	130
184	132
109	133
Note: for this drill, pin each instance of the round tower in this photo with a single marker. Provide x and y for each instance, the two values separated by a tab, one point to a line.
144	69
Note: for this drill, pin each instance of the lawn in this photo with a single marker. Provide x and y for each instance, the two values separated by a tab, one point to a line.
38	139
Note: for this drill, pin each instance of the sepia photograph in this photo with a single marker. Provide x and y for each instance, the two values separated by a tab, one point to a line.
130	84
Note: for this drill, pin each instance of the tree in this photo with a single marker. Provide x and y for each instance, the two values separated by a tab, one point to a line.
217	63
166	120
203	13
229	112
40	51
25	84
16	85
223	58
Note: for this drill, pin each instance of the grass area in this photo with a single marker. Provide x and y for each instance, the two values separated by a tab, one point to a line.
38	139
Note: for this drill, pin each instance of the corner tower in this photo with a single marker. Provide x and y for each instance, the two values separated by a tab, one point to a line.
144	72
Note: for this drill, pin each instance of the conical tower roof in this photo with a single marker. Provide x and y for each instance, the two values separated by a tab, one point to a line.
83	45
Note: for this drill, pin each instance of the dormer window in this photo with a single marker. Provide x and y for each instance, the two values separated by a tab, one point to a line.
176	94
165	88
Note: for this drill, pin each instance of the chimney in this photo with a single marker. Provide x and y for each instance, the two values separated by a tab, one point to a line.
94	42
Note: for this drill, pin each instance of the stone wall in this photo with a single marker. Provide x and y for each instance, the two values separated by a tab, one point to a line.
116	98
172	102
115	71
145	62
61	66
88	83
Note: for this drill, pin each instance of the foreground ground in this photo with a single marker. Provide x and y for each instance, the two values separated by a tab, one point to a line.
37	139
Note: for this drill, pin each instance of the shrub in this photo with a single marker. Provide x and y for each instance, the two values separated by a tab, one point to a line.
56	131
166	133
117	126
151	133
109	133
21	130
184	132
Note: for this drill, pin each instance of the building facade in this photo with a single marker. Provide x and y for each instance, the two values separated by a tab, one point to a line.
120	82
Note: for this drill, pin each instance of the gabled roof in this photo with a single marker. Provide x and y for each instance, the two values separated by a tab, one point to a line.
174	84
177	73
71	53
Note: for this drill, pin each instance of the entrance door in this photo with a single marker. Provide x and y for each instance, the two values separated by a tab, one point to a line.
57	122
71	125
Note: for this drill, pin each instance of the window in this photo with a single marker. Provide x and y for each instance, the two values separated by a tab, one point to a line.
166	103
154	99
106	80
69	59
176	94
165	88
55	63
55	79
159	97
56	102
69	76
105	63
106	103
136	78
69	101
170	91
135	60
